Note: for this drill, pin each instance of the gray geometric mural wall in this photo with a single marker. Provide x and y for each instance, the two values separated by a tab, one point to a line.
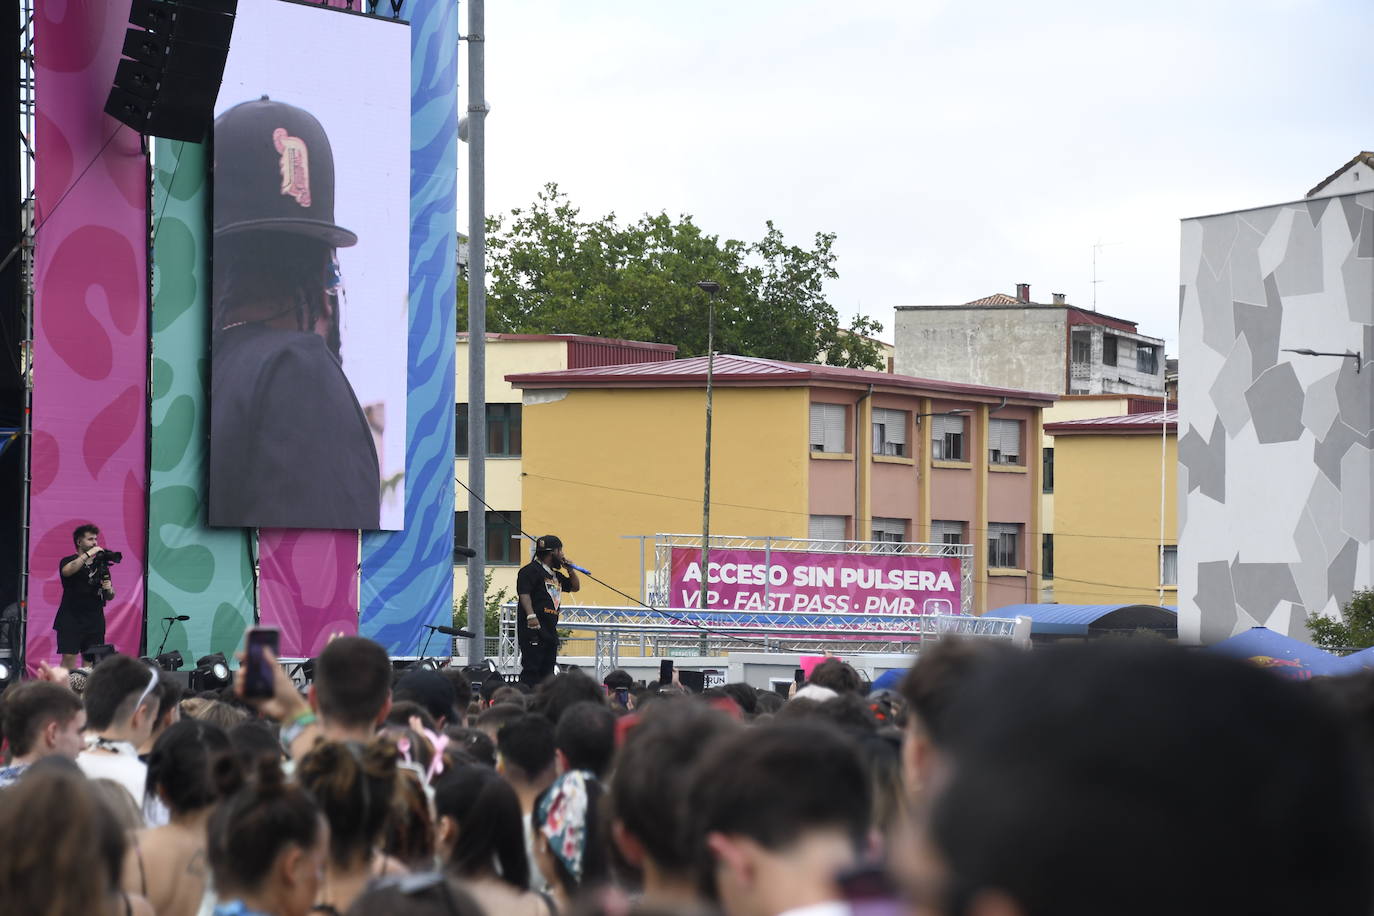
1275	476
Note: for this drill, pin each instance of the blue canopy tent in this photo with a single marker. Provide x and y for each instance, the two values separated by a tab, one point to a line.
1357	661
1057	621
1289	657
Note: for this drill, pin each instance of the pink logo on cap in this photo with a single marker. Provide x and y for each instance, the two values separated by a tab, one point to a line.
295	166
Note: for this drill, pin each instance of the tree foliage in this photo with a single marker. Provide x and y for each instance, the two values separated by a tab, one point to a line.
1353	630
550	270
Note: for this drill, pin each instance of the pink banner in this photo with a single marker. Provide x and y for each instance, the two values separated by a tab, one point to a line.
794	582
308	580
90	353
308	586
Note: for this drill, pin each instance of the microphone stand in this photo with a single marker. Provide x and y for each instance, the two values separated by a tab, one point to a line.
424	650
167	631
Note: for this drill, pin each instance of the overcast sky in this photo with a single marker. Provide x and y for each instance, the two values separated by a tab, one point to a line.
955	148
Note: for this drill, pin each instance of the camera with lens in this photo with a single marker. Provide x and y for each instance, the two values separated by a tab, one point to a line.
106	558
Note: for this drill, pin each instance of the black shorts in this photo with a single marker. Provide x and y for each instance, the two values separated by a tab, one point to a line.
76	634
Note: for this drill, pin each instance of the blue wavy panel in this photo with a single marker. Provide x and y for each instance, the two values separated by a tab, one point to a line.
407	576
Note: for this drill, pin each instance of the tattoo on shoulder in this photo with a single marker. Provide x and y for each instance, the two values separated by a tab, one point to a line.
196	865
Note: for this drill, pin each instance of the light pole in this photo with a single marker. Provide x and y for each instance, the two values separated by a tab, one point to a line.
711	288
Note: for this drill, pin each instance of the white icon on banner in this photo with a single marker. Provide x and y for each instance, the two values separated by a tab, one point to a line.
938	606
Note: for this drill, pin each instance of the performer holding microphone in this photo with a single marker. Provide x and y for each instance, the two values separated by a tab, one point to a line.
86	586
540	585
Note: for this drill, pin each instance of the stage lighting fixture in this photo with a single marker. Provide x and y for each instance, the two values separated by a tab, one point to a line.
6	674
212	673
170	661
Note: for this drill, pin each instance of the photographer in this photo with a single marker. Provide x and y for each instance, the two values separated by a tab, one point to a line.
80	621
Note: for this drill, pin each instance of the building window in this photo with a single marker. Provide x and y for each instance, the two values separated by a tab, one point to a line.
504	541
946	532
827	428
1047	556
889	531
826	528
1147	359
1108	350
947	438
504	434
1004	546
889	432
1081	349
1169	566
1004	441
1047	470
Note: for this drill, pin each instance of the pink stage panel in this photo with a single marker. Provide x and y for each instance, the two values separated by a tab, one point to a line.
308	580
90	358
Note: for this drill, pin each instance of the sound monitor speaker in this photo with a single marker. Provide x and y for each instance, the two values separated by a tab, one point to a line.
167	87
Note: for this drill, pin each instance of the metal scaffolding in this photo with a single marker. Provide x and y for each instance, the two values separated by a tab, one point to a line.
657	632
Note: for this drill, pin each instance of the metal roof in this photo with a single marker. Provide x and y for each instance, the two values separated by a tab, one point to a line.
746	369
1076	619
1135	422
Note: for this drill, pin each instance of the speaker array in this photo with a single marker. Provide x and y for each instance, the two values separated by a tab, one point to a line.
166	83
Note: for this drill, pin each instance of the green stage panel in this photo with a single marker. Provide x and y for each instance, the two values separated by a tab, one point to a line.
201	572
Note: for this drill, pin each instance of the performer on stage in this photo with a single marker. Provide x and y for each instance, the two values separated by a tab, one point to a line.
540	585
86	586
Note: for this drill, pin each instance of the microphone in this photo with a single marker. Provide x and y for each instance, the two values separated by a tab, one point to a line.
464	552
585	572
449	631
177	617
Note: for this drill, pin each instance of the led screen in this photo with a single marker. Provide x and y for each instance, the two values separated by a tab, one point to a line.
310	271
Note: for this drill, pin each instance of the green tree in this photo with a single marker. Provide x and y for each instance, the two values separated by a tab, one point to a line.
1353	630
492	618
552	271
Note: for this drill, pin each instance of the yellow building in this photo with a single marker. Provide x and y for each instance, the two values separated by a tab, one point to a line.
1076	407
799	450
1109	476
506	354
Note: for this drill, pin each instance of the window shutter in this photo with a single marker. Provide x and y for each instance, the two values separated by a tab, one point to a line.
826	527
939	530
1005	436
818	425
894	426
834	428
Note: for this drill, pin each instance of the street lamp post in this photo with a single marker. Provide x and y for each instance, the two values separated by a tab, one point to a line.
711	289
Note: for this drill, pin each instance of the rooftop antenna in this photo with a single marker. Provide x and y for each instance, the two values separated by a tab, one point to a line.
1100	244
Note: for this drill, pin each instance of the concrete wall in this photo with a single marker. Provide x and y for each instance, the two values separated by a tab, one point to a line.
1354	180
1274	447
1004	347
1107	490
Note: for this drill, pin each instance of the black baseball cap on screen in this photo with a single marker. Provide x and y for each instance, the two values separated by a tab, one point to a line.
274	170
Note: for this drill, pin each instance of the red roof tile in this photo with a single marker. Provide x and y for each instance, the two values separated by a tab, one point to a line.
1131	423
730	369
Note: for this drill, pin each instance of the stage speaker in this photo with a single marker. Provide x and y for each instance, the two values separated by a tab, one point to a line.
175	61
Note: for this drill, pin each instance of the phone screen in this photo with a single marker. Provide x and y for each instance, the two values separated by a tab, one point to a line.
799	676
665	672
622	697
258	676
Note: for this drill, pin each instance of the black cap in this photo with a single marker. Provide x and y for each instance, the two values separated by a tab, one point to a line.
547	542
274	170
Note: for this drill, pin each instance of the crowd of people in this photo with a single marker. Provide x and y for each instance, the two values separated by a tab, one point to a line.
1123	776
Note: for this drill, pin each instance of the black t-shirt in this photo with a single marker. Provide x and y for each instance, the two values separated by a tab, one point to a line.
545	593
289	445
81	597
